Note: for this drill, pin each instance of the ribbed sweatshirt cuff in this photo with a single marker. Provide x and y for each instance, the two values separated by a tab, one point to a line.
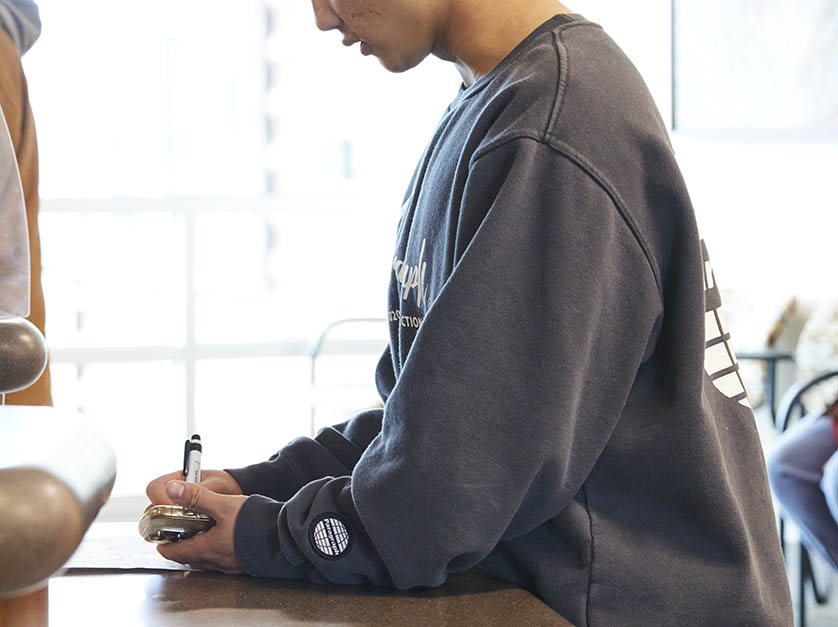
256	540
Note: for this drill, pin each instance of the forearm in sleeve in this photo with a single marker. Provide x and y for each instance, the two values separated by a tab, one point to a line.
332	453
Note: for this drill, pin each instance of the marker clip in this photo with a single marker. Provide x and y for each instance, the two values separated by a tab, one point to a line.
185	458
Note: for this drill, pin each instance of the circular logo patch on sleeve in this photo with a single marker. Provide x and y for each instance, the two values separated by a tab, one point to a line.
329	536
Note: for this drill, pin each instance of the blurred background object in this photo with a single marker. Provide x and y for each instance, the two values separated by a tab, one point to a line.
20	27
56	472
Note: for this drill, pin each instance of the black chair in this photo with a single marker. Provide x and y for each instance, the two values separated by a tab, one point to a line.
791	408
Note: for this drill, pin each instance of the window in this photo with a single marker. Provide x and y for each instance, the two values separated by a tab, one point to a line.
737	69
151	99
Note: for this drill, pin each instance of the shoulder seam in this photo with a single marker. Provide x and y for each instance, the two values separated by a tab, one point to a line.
561	83
619	203
595	175
564	66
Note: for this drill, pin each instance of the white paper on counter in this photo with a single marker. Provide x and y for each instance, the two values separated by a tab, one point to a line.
118	546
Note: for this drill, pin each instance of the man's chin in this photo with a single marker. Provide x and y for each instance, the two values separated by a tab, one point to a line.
397	66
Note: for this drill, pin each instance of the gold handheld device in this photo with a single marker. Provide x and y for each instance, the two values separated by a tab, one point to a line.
172	523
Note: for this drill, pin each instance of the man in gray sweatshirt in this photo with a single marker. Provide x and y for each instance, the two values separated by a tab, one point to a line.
562	408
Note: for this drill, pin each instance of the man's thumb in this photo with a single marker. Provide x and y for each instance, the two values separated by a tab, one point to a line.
191	496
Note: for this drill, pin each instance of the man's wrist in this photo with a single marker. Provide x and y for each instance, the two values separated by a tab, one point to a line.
256	540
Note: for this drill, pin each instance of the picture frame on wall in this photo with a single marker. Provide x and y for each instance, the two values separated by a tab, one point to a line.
760	68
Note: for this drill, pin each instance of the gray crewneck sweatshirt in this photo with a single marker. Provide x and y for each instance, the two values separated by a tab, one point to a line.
561	405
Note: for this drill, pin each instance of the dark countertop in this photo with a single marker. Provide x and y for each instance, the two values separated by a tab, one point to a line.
212	599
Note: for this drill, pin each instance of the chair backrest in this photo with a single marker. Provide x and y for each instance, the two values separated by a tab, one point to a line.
335	398
792	400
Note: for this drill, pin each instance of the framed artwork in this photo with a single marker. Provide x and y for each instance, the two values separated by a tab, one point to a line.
755	67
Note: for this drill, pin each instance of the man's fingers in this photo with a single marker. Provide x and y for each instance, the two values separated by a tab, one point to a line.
216	481
213	549
191	551
159	498
193	496
156	490
197	552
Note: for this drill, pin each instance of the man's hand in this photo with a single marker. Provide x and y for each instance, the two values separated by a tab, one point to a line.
213	549
217	481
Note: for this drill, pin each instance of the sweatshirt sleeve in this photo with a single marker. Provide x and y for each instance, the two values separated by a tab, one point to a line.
334	451
508	395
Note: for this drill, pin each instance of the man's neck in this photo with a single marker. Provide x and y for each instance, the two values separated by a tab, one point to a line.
477	34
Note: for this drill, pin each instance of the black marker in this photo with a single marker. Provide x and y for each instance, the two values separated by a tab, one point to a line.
192	459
